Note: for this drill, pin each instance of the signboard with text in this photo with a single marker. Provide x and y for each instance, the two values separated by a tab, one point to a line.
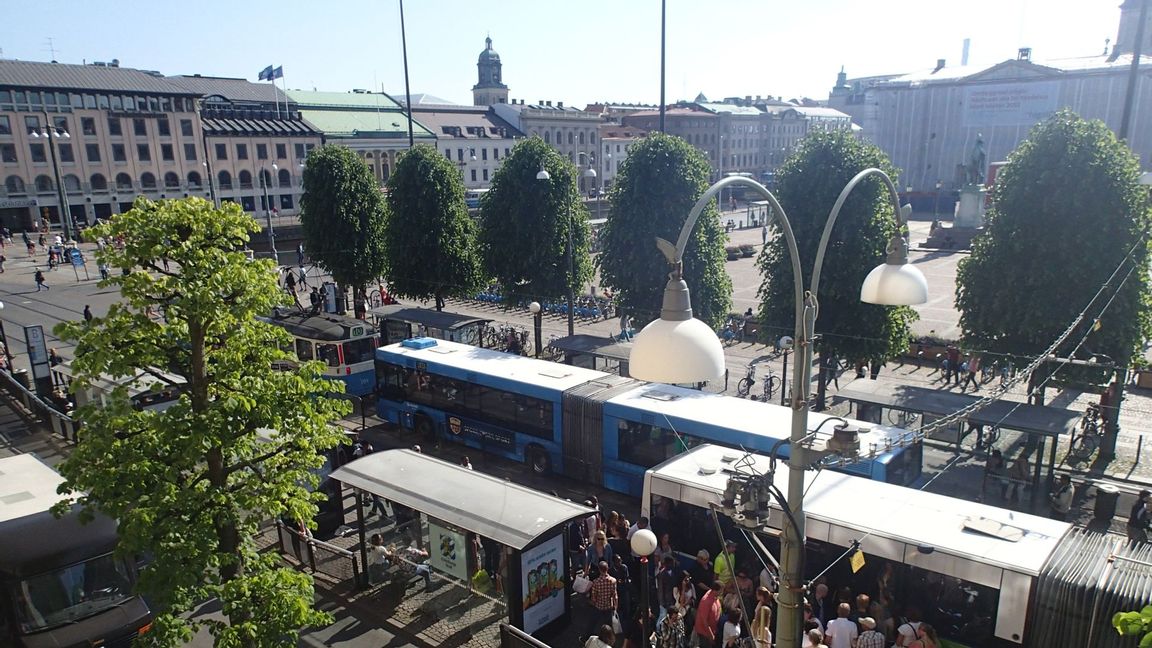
1010	104
37	351
485	434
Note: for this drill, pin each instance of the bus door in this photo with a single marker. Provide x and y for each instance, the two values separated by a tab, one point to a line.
583	426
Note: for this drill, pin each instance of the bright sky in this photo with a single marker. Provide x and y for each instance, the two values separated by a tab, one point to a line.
593	50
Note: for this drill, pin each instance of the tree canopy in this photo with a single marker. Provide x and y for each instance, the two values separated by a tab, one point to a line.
526	224
190	485
428	219
655	189
807	186
1068	211
342	213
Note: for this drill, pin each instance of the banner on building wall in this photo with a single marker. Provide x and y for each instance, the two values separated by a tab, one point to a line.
543	582
447	552
1010	104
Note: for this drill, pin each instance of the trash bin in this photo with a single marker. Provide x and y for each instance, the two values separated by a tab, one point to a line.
21	376
1106	498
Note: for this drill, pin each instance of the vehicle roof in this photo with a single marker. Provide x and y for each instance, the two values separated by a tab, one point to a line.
325	327
441	320
504	366
898	519
680	406
34	540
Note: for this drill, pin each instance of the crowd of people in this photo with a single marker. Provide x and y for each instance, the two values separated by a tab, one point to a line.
726	601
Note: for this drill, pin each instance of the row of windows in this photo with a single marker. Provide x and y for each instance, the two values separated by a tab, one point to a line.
262	151
35	100
33	124
473	152
572	138
39	153
248	204
494	406
15	185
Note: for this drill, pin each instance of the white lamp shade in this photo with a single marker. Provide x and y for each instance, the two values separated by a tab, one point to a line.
895	285
677	352
643	542
534	307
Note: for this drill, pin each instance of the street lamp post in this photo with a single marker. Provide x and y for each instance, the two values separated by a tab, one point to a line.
784	343
537	324
936	206
544	175
643	543
265	178
211	184
680	349
52	133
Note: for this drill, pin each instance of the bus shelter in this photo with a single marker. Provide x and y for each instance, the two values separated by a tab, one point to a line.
460	504
398	323
887	404
594	352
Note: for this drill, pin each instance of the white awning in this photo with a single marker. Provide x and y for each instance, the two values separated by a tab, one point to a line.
508	513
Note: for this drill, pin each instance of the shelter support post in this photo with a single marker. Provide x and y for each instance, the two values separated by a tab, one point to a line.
361	529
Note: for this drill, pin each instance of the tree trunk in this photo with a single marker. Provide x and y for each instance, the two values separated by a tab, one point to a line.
439	300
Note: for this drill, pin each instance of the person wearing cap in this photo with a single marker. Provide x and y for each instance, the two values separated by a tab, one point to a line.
725	563
1139	518
869	637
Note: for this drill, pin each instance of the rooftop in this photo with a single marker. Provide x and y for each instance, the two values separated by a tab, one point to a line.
65	76
362	123
214	126
230	89
465	124
347	100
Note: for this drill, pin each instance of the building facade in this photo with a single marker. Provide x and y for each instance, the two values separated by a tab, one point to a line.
571	131
472	137
615	143
372	124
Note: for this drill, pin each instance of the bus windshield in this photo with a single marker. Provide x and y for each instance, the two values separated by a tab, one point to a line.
72	593
357	351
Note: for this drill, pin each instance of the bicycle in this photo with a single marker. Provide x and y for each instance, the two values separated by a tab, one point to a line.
902	419
744	387
1087	440
771	384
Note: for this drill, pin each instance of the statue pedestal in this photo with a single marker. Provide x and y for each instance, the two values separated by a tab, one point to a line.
970	209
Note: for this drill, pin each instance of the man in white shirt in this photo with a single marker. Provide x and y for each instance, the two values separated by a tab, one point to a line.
841	632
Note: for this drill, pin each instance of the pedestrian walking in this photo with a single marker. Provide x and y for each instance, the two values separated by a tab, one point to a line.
104	271
625	327
300	255
87	313
302	279
764	234
2	260
1017	477
973	367
290	283
39	277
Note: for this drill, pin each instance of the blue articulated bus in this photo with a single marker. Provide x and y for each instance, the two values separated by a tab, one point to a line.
590	425
344	344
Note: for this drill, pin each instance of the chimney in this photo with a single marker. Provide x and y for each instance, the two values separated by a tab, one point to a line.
964	52
939	66
559	104
1025	54
548	103
114	63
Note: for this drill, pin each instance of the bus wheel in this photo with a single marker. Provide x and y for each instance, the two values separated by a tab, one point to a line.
538	460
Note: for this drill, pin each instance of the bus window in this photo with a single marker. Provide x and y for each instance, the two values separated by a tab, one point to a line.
648	445
357	351
329	353
304	350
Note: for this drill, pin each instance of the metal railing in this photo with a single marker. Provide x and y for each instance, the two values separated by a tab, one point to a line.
319	556
60	422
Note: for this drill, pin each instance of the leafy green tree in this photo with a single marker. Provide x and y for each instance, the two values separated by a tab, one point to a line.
808	185
1068	211
191	485
342	213
1131	624
526	223
428	219
653	193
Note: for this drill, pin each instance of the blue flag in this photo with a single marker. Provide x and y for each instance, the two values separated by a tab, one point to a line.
277	73
265	74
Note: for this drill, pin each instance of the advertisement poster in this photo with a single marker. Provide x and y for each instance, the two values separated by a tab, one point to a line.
1010	104
542	580
447	551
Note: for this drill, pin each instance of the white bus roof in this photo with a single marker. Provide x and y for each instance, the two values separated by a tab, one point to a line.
507	366
753	417
897	519
27	487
